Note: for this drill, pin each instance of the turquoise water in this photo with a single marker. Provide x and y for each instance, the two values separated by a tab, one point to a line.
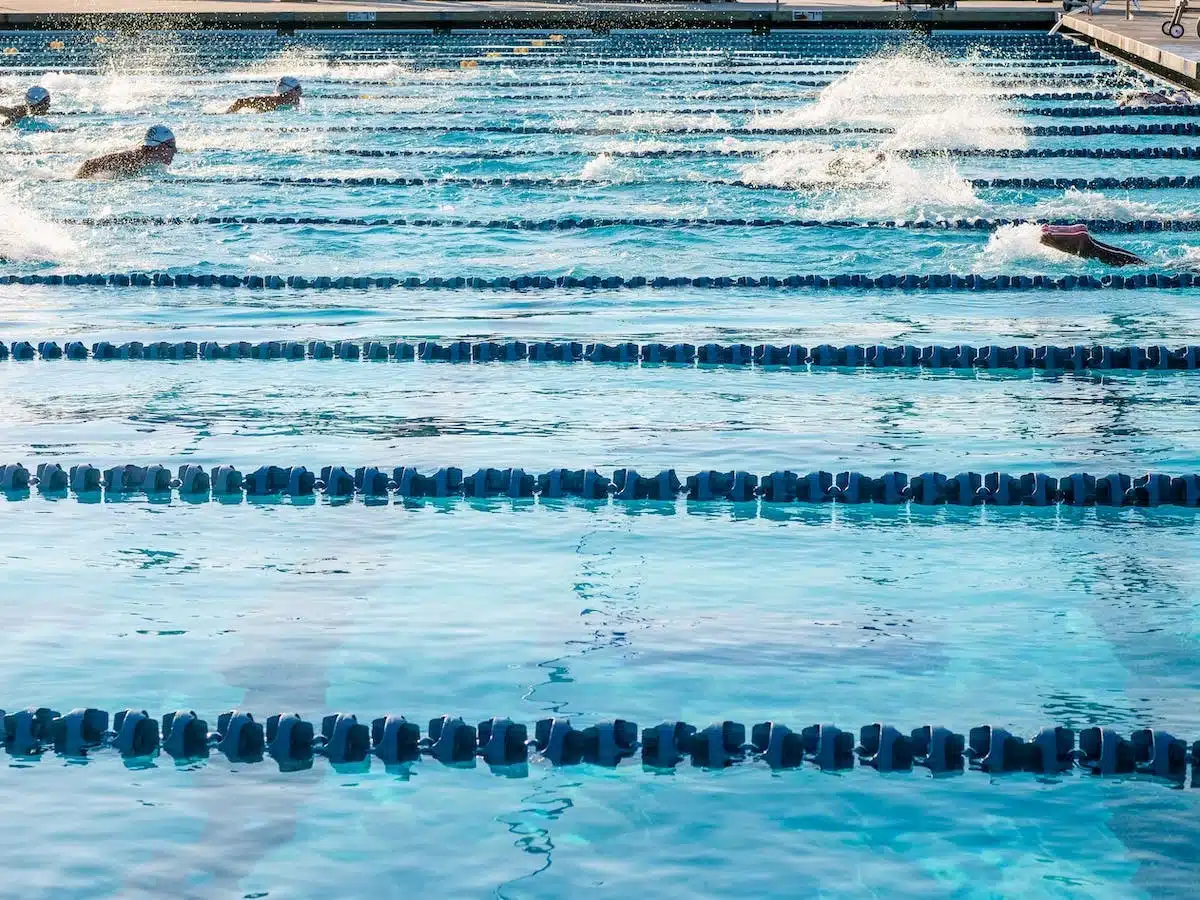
1013	617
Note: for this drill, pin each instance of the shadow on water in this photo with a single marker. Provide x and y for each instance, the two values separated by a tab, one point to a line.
609	587
1144	604
282	664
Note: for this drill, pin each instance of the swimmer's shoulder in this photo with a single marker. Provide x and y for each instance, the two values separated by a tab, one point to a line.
121	163
255	104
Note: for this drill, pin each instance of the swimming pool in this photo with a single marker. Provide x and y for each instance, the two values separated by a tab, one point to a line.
633	155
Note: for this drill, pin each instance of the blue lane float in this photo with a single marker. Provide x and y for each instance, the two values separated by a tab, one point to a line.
771	96
192	482
710	153
293	743
1179	129
819	64
1019	357
1058	112
1164	182
583	223
892	282
1187	153
1067	112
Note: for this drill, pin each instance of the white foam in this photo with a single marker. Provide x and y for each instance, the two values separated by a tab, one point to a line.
929	101
641	145
603	168
1184	256
854	183
1097	205
847	167
650	122
1015	245
312	64
27	237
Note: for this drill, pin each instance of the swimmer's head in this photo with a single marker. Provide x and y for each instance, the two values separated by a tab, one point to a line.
37	99
287	86
159	144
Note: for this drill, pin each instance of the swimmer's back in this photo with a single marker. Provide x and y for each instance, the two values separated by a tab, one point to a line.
126	162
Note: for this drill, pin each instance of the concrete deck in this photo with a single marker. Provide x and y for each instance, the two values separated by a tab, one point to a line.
1141	39
516	13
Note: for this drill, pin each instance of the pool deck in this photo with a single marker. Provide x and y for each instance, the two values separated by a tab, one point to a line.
1141	39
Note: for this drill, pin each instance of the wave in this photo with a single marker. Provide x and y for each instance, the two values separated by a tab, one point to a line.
27	237
930	102
866	183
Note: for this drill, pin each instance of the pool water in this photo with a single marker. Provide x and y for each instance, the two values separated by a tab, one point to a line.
650	612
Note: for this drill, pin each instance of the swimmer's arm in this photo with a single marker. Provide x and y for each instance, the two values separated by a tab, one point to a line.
8	114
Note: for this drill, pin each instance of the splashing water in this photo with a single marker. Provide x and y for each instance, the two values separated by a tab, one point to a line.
800	167
312	64
642	145
930	102
26	237
1185	256
661	121
602	168
861	183
1098	205
1013	246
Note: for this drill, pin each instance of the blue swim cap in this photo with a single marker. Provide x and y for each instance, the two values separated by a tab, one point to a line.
157	136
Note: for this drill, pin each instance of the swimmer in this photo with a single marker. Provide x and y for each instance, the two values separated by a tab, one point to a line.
1155	98
287	94
853	163
37	103
1074	239
158	149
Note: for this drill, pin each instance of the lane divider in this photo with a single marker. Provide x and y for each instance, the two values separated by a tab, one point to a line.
1077	358
414	79
192	481
1069	112
1163	182
694	153
1147	129
1080	95
839	64
909	282
215	60
699	42
581	223
340	737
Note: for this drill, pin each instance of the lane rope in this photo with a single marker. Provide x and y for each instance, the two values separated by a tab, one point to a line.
1068	112
582	223
193	481
909	282
1077	358
340	737
692	153
1149	129
1163	182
